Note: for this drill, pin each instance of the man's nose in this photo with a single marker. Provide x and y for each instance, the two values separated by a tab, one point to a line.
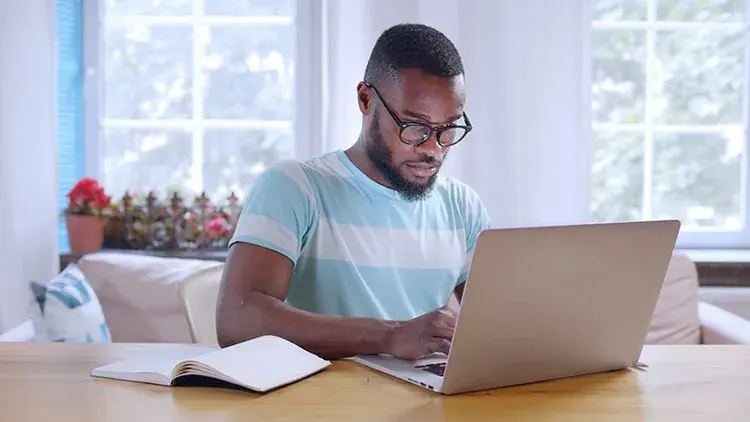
432	148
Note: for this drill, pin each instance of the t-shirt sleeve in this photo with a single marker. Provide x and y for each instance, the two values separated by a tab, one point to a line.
477	220
278	212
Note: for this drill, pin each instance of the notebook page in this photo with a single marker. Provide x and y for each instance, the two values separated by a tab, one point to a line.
154	369
264	363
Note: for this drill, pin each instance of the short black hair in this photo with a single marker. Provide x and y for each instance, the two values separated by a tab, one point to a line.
413	46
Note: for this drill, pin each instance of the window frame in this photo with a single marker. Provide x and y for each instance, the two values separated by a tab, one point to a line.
688	239
69	32
94	50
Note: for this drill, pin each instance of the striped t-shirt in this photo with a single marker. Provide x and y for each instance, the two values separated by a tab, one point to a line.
359	249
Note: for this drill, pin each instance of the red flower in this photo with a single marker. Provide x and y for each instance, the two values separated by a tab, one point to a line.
101	199
87	196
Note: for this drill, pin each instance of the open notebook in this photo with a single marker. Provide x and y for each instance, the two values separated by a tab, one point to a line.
260	364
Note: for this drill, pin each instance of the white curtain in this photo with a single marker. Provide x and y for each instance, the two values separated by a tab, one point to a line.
28	193
526	76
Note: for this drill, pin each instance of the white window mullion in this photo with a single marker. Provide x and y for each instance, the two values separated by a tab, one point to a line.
199	39
190	124
745	187
93	78
663	25
201	19
692	129
648	148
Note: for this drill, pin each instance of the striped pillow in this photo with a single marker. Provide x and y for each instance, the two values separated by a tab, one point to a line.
70	310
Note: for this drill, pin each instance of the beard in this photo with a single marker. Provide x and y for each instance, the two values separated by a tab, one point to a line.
382	157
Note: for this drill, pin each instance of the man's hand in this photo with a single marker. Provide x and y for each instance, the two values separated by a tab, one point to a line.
426	334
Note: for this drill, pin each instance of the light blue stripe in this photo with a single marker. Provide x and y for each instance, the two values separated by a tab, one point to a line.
279	198
341	200
79	286
104	331
74	281
341	288
66	299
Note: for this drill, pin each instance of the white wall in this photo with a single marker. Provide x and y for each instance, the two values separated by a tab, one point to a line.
528	157
28	191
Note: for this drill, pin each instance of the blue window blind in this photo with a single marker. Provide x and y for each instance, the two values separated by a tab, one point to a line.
70	147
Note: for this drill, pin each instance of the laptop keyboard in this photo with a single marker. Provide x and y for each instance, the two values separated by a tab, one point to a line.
434	368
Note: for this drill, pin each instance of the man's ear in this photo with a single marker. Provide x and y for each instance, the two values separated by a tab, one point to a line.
364	99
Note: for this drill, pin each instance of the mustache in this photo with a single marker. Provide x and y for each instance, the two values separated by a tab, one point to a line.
429	159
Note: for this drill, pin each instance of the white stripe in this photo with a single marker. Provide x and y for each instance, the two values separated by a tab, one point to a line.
467	262
390	248
337	167
471	201
331	165
294	170
267	230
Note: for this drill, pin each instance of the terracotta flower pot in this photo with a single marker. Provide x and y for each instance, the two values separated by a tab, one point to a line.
85	233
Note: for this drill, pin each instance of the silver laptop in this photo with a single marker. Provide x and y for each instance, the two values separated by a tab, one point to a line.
547	303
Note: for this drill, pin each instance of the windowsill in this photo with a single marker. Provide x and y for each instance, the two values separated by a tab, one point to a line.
721	267
718	256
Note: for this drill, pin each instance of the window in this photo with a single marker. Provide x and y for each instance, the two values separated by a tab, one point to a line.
669	109
195	95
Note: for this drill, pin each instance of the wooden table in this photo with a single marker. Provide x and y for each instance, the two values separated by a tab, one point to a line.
50	382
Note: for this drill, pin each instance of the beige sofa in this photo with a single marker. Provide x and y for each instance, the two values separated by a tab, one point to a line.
139	294
140	300
681	317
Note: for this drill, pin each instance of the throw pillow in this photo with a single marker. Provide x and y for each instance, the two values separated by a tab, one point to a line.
70	310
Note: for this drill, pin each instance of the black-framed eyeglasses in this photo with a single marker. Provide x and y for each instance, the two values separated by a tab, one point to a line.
415	133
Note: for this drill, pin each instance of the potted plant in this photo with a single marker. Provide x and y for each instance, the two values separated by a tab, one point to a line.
86	216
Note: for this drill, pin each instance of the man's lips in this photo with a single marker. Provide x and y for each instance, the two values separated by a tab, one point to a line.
422	170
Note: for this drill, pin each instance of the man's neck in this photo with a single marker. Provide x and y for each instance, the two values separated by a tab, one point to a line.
358	156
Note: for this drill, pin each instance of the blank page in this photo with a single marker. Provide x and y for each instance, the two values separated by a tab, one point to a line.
154	369
264	363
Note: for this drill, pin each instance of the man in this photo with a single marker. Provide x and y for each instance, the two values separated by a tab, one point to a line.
358	251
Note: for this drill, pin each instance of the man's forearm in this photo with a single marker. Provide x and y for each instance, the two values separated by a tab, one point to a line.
331	337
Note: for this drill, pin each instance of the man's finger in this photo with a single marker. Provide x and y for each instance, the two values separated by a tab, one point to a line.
442	332
446	318
447	310
440	346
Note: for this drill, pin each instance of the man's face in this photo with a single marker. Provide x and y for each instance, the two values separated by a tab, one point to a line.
416	97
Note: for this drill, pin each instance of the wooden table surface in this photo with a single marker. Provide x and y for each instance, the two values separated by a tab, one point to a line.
50	382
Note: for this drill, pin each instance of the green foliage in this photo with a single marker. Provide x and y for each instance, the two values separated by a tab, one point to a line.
695	77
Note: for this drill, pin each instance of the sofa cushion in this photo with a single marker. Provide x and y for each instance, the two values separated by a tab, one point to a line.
139	294
675	319
23	333
69	310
